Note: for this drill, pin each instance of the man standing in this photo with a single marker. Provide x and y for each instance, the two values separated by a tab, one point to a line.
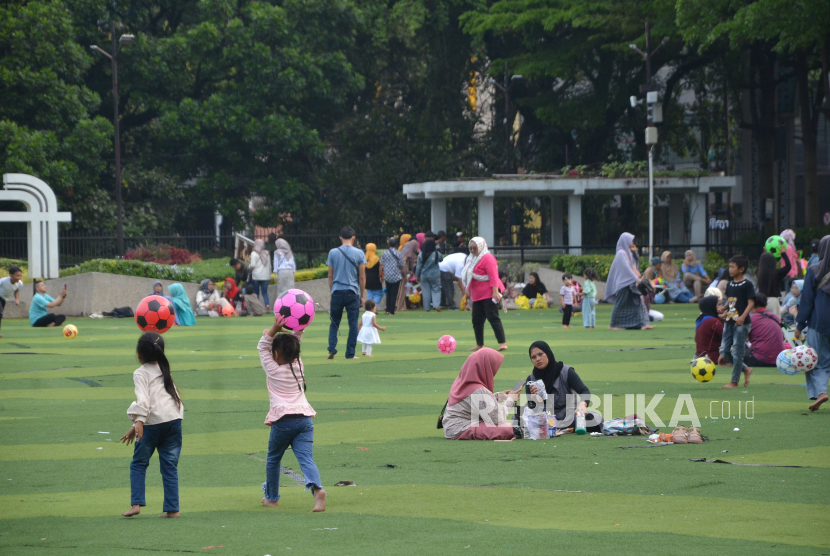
392	270
460	245
451	268
347	282
10	287
441	242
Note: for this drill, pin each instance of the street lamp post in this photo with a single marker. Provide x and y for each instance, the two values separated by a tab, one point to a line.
116	46
505	88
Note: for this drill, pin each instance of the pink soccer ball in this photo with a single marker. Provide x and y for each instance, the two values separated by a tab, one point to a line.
446	344
804	358
296	307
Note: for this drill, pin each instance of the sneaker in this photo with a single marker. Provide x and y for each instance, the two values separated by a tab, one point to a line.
679	435
694	436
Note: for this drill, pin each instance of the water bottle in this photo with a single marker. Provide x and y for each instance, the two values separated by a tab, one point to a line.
580	424
551	425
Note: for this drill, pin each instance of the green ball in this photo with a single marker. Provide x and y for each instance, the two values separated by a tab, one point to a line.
775	246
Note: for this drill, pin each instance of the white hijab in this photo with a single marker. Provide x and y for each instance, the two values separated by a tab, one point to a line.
622	272
472	261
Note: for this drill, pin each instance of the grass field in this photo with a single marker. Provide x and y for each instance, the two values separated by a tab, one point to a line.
65	476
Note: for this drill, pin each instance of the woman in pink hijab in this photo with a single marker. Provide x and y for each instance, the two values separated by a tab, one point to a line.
474	411
792	255
420	237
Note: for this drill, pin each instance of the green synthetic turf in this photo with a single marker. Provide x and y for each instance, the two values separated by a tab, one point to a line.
64	483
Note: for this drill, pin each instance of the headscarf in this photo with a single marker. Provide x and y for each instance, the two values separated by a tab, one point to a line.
410	252
371	255
284	249
789	235
694	262
233	289
669	267
184	314
404	240
800	285
713	291
420	237
621	275
259	249
708	309
427	248
158	283
550	373
821	269
477	371
204	287
472	261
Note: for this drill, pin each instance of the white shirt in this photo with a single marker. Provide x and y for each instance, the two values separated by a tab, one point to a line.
152	405
259	268
453	263
7	289
281	263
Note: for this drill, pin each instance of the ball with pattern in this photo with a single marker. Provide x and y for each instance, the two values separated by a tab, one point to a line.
296	308
804	358
703	369
155	314
228	311
775	246
70	331
446	344
785	364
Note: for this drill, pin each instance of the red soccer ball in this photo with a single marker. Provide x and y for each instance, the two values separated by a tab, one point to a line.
155	314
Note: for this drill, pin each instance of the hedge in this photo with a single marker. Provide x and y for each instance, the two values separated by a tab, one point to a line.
576	264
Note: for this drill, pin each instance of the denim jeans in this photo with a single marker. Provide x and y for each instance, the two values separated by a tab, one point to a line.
350	301
589	312
431	291
167	439
375	295
734	342
262	285
297	432
817	378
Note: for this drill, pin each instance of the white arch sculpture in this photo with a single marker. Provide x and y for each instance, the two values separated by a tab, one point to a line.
42	218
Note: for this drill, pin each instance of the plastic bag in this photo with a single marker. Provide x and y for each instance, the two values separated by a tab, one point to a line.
540	385
623	427
536	425
522	302
541	302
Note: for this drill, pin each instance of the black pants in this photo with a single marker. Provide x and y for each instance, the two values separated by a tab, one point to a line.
750	361
487	310
448	290
2	308
567	311
392	296
45	320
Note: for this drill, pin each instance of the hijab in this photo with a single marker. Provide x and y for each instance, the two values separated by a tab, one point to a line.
259	249
233	289
184	314
204	287
158	283
694	262
427	249
800	285
477	371
549	374
404	240
420	237
822	268
669	267
284	249
708	309
621	275
789	235
473	260
371	255
410	251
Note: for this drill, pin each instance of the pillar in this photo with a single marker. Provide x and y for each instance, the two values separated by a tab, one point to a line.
438	209
557	221
697	223
677	220
485	218
575	224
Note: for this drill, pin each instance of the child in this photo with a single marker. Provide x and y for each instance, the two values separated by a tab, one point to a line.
740	300
290	414
10	287
367	335
566	297
790	307
157	413
589	301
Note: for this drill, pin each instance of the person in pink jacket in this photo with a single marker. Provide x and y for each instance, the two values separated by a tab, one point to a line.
481	280
792	255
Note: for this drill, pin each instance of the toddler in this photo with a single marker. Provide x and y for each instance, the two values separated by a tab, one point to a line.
566	297
589	299
368	328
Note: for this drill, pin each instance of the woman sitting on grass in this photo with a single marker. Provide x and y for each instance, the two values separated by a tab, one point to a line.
708	329
207	298
474	411
184	314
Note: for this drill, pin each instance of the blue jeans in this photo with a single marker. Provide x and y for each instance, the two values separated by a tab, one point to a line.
734	342
589	311
350	301
299	434
818	377
167	439
375	295
262	285
431	291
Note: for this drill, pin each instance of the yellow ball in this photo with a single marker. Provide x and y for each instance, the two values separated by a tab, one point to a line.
415	297
70	331
703	369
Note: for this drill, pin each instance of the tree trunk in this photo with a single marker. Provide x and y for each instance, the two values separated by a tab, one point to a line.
809	139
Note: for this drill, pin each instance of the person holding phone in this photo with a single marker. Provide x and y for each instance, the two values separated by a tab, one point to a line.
39	315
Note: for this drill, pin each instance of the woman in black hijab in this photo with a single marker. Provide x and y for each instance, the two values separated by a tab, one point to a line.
561	382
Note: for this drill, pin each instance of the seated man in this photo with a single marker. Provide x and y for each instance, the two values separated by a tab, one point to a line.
765	335
39	315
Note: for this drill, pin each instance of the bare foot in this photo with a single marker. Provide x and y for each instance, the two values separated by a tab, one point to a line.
366	355
171	515
319	501
50	325
331	356
269	503
747	372
502	347
355	357
476	348
722	361
613	328
730	385
135	510
647	327
821	399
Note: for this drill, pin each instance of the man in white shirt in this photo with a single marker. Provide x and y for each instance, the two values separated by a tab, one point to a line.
451	268
10	287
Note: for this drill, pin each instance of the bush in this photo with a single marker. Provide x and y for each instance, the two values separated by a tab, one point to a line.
5	264
133	268
311	274
162	254
576	264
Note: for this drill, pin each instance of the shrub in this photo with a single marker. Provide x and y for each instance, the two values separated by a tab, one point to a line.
5	264
162	254
133	268
311	274
576	264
